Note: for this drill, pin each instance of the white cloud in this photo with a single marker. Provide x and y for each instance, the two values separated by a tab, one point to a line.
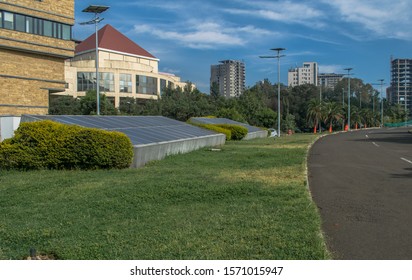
204	35
282	11
385	18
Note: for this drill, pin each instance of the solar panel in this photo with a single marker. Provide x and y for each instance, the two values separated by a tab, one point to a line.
140	129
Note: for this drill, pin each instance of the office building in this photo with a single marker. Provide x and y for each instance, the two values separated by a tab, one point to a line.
401	82
125	69
35	41
308	74
329	80
229	76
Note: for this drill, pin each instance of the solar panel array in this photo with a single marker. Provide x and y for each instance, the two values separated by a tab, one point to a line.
225	121
140	129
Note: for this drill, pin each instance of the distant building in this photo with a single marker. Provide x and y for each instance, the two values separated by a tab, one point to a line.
229	76
125	69
35	40
329	80
401	82
308	74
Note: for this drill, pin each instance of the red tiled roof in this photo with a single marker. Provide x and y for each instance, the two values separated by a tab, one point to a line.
111	39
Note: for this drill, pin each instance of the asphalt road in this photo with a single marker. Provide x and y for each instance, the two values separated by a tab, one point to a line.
361	182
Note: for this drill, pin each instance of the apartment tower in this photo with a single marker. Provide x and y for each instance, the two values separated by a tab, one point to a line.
308	74
229	76
401	82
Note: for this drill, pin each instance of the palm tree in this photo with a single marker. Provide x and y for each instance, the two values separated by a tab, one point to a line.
314	112
367	117
332	112
355	116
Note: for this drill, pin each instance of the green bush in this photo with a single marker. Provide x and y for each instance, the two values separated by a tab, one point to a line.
213	127
238	132
218	129
50	145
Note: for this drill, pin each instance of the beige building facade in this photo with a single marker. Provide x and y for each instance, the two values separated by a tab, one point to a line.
307	74
125	69
35	41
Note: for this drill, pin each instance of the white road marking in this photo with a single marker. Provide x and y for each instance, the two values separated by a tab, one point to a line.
367	136
375	144
407	160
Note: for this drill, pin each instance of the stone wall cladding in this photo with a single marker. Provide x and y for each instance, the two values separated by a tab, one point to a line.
33	65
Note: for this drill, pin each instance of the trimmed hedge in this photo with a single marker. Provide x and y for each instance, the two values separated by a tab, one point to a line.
232	131
218	129
238	132
51	145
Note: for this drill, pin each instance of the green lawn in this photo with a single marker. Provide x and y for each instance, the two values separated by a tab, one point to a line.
247	201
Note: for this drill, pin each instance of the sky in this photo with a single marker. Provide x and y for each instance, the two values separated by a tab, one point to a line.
188	36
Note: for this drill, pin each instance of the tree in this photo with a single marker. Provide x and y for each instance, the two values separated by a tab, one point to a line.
89	101
64	105
314	113
332	112
214	90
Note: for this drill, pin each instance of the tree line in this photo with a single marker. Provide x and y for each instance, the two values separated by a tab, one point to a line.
304	108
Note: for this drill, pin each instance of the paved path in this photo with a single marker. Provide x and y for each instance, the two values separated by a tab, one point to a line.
361	182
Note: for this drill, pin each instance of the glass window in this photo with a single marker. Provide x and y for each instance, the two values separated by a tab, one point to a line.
163	86
86	81
1	19
20	23
66	32
106	82
29	25
125	83
47	28
8	20
146	85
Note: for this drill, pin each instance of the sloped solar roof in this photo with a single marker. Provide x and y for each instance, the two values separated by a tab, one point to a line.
140	129
225	121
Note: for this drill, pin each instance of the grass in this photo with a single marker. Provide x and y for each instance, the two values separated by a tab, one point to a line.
247	201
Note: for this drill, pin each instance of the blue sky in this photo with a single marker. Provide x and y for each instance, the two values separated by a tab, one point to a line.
188	36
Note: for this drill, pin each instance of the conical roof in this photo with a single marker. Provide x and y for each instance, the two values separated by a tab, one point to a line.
111	39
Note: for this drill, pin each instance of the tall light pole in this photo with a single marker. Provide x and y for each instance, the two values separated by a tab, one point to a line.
96	10
381	83
348	69
278	56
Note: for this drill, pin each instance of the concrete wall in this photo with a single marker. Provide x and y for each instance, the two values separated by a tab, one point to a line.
158	151
8	124
257	134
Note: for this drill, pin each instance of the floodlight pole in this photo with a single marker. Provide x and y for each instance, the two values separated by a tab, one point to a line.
278	56
348	69
96	10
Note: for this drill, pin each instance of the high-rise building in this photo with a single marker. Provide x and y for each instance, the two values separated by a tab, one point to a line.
308	74
329	80
401	82
35	40
229	77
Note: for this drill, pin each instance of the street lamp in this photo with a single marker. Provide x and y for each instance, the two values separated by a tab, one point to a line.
96	10
381	80
278	56
348	69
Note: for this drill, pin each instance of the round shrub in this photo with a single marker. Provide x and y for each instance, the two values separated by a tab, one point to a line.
51	145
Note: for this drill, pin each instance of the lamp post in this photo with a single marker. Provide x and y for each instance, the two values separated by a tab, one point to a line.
381	83
278	56
348	69
96	10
